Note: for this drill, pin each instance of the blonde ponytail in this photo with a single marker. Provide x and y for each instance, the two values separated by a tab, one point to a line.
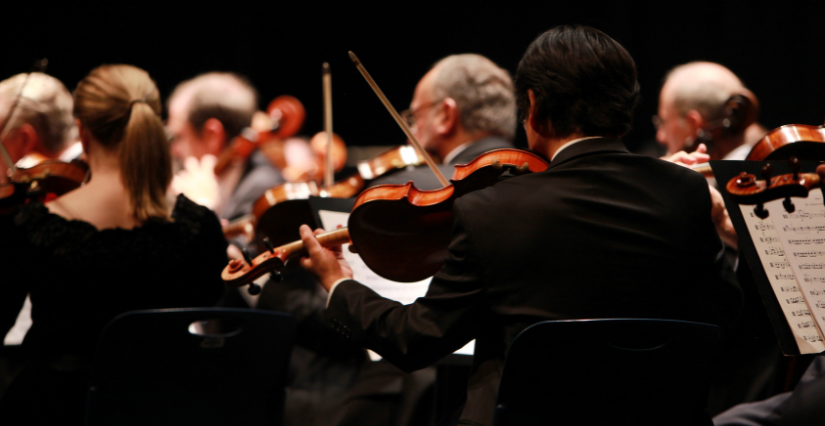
146	163
120	105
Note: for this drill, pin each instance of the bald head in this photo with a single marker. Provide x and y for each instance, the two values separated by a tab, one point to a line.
694	96
700	86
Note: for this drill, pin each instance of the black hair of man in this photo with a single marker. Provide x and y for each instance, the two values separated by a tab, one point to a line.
584	82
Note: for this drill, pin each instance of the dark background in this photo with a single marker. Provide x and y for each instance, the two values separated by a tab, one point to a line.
777	49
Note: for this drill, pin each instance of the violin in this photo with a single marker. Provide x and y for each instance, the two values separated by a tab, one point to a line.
273	222
788	141
792	140
49	177
402	233
746	189
286	115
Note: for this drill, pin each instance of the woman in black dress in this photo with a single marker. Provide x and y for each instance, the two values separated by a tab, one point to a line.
111	246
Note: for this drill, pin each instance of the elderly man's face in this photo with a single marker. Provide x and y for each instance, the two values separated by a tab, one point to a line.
672	131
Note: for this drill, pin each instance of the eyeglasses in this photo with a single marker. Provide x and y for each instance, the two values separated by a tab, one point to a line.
409	114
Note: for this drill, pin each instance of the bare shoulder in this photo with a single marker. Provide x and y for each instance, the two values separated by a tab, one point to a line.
97	206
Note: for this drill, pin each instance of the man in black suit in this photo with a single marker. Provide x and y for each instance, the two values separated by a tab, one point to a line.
601	233
463	107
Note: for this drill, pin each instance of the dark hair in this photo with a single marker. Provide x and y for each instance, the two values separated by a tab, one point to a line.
584	81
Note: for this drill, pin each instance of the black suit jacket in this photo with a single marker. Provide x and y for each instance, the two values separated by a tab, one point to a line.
424	177
601	233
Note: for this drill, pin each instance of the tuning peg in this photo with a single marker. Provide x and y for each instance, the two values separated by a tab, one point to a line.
254	289
789	207
268	245
767	172
760	211
247	257
796	166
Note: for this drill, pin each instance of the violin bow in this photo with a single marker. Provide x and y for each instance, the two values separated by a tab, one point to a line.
398	120
328	167
38	66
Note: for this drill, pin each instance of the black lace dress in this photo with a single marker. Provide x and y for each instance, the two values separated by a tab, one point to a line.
80	278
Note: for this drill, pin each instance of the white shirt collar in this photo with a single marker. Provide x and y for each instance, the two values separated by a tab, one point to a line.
454	153
571	143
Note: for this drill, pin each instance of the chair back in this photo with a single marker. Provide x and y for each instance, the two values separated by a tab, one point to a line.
608	371
211	366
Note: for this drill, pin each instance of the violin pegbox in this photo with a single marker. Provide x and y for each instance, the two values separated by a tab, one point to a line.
745	189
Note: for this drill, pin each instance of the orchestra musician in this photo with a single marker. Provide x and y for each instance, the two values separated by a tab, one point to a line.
205	114
42	128
601	233
463	107
111	246
692	100
42	122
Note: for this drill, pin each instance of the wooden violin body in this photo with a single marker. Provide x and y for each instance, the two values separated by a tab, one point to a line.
277	219
402	233
49	177
793	140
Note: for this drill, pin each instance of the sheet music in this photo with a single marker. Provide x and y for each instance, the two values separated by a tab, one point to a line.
792	250
405	293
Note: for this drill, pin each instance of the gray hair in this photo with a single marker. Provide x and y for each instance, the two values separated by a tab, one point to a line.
45	104
706	93
483	93
227	97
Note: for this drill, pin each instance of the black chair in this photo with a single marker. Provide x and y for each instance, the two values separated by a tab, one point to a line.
608	372
191	366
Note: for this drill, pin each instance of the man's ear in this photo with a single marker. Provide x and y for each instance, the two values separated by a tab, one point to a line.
695	122
214	136
28	139
533	121
449	119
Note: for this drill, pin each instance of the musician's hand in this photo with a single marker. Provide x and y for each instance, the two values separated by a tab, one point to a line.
684	159
721	218
197	181
327	264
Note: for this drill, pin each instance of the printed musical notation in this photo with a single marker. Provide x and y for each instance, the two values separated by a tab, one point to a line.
762	227
806	241
791	248
812	266
803	215
804	229
817	292
808	253
805	324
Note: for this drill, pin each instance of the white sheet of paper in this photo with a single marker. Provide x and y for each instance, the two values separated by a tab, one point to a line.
778	246
404	293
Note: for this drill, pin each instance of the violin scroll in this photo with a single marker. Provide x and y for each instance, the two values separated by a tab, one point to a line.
746	189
